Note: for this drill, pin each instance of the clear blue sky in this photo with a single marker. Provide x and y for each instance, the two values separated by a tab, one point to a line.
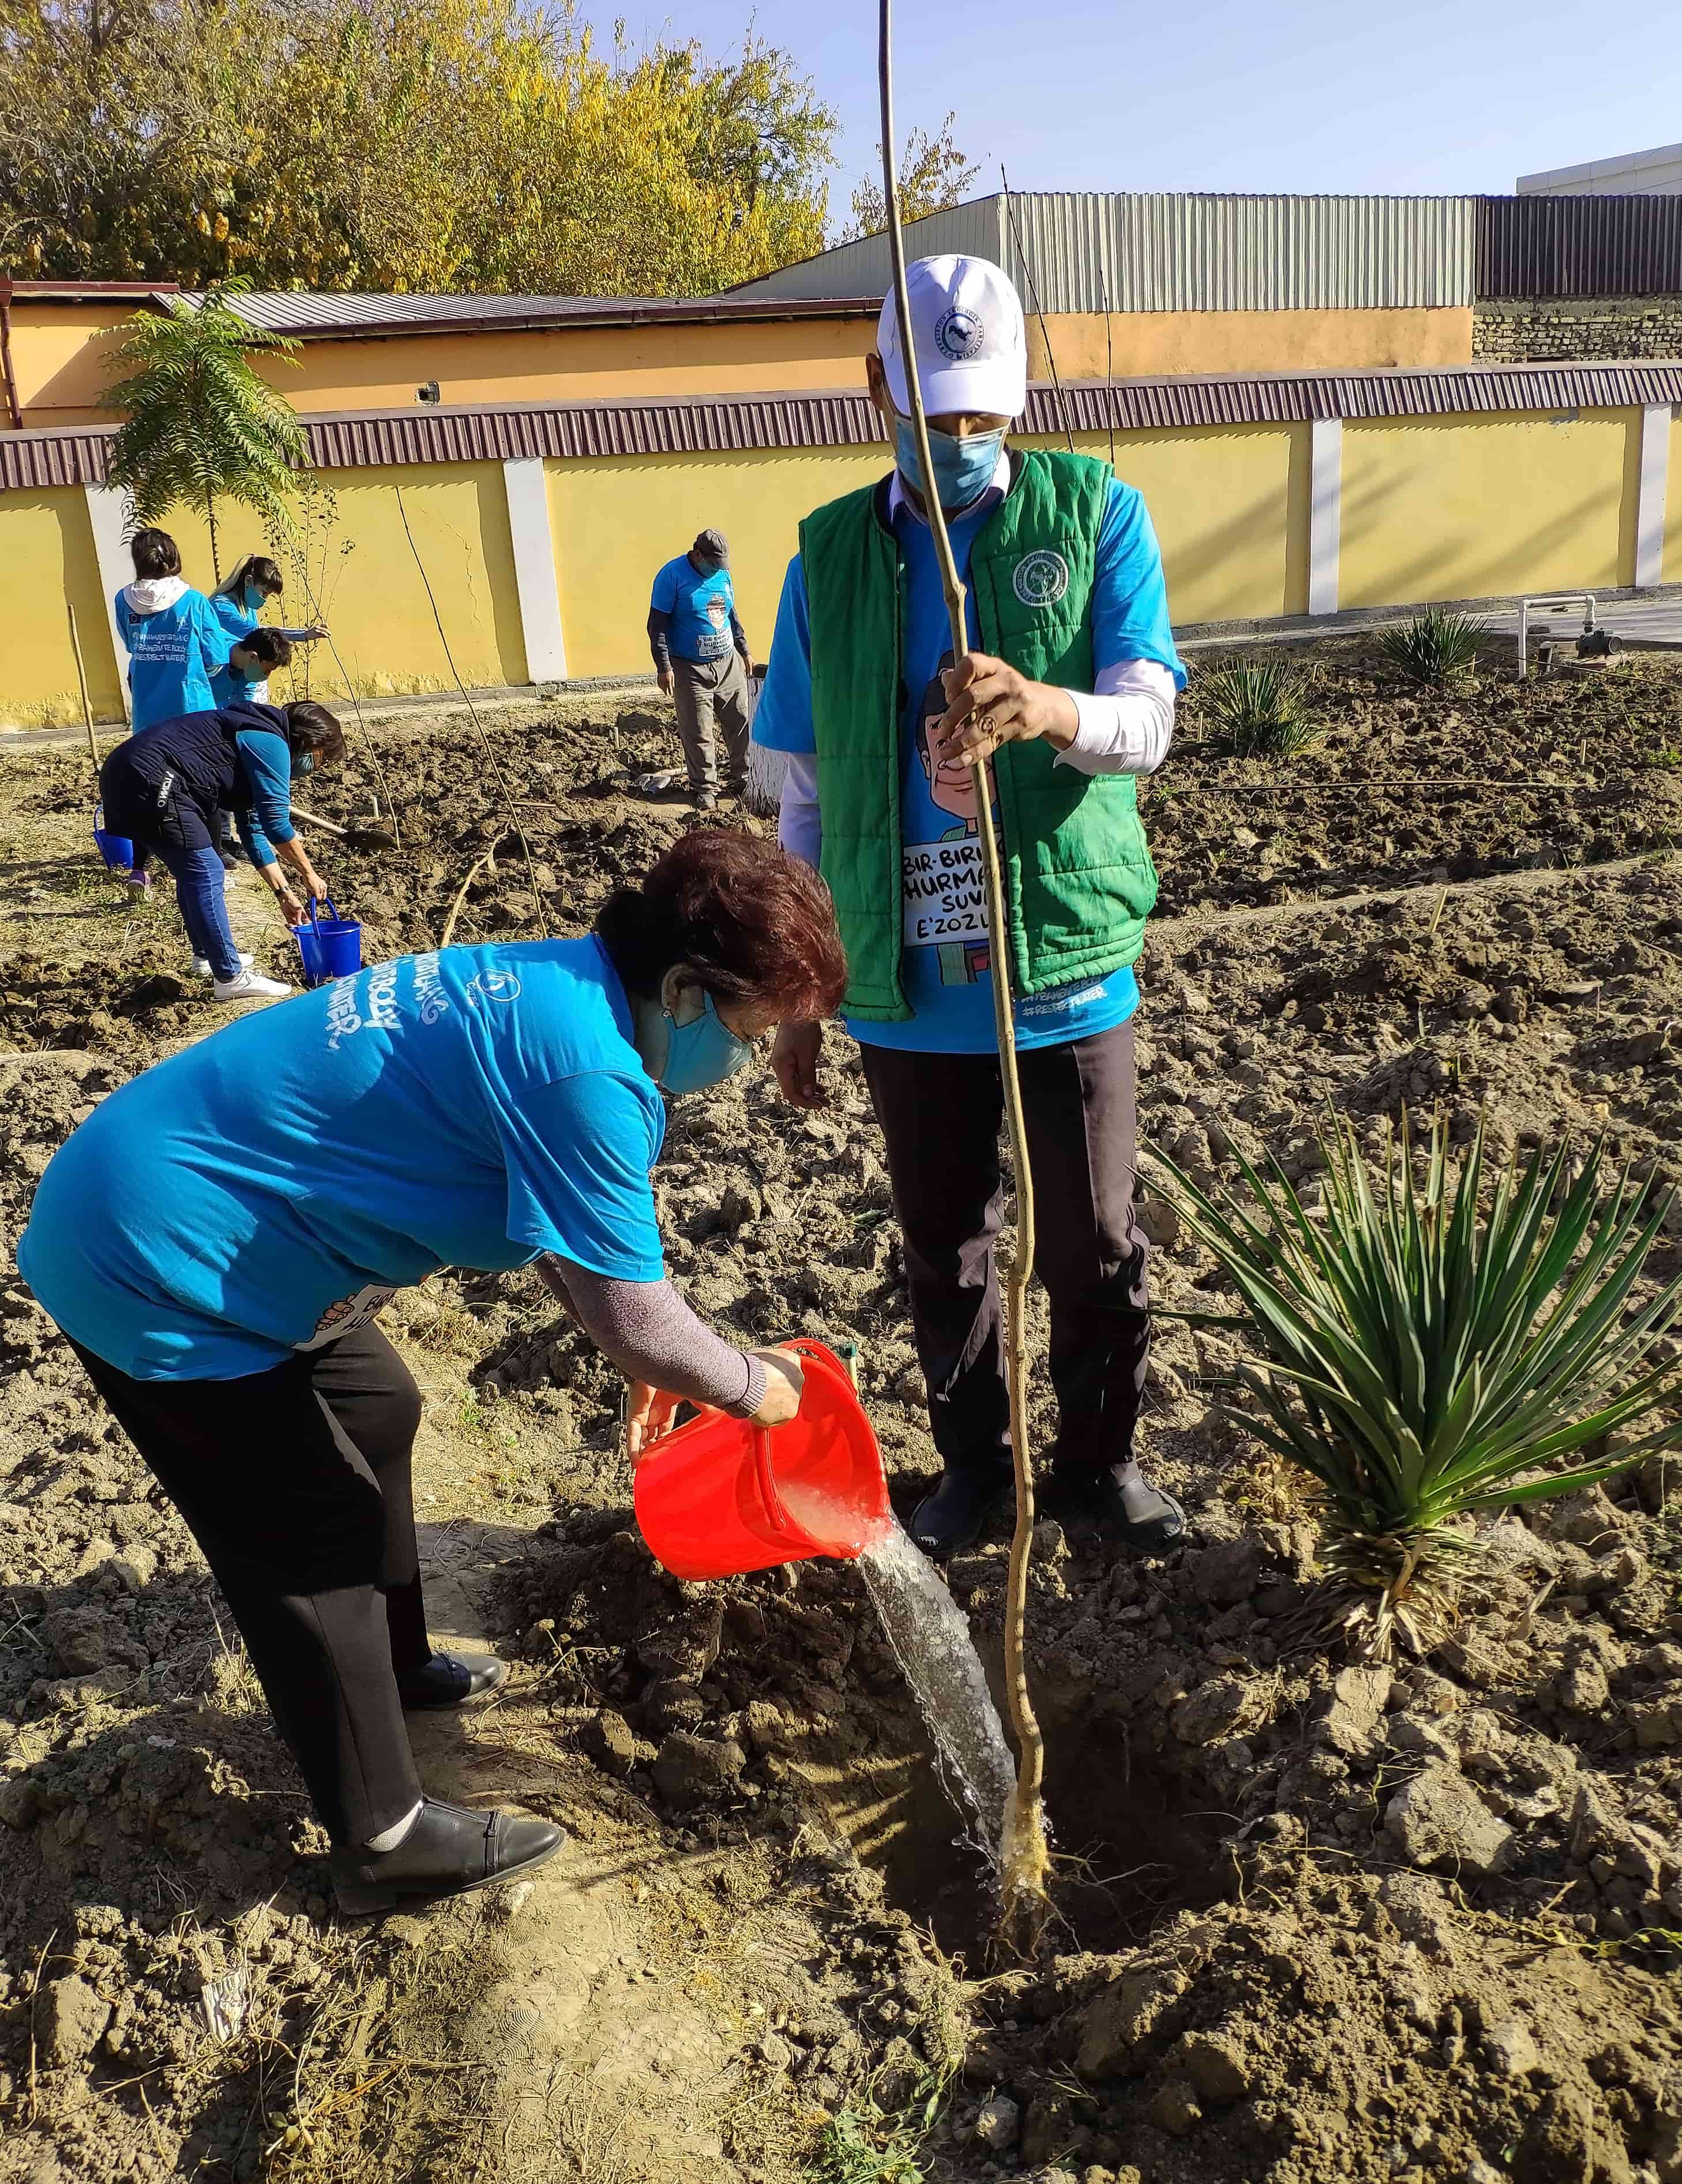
1427	96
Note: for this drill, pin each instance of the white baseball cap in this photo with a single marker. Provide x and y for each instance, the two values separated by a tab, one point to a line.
966	327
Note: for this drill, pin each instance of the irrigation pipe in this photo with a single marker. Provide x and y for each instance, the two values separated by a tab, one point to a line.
1024	1856
490	753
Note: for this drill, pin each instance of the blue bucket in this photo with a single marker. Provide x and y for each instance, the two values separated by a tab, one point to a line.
116	849
331	946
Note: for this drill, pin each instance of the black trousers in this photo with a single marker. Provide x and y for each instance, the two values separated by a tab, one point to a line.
296	1484
941	1115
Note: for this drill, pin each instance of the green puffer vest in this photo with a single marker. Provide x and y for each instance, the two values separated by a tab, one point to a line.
1079	883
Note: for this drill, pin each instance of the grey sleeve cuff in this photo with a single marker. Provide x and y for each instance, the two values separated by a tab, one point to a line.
755	1395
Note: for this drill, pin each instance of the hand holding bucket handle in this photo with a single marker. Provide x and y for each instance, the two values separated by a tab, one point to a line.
649	1411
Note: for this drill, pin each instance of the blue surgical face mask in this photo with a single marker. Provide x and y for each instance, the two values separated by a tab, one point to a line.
303	766
254	599
700	1053
963	469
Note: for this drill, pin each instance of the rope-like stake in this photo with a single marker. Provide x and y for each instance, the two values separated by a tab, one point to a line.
490	752
321	621
1039	308
1024	1856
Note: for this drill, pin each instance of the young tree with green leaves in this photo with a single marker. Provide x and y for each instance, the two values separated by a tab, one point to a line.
198	422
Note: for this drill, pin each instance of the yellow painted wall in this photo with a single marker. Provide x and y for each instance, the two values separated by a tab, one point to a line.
60	356
617	519
1671	571
60	353
1152	344
1230	506
1471	507
46	562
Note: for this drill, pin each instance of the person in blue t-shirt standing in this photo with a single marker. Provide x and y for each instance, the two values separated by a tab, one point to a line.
216	1240
1075	693
700	652
175	643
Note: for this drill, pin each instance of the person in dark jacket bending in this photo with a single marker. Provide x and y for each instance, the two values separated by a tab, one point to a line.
166	789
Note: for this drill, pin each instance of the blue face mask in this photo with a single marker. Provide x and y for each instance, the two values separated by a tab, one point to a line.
254	599
699	1053
303	766
963	469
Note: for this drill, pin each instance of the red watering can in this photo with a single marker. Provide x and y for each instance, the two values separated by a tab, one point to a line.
722	1496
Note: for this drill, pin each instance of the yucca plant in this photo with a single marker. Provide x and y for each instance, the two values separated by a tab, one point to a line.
1426	1358
198	420
1257	704
1435	647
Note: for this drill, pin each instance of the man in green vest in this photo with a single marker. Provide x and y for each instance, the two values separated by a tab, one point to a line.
1069	686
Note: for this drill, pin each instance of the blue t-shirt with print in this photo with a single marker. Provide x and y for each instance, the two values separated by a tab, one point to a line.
267	1189
700	608
944	967
173	655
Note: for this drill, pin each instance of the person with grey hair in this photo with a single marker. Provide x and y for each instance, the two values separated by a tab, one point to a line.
700	654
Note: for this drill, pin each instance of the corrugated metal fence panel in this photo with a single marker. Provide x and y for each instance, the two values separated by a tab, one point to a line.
1174	252
1579	246
861	269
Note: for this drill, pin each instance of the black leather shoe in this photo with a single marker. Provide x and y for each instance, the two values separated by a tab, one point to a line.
1091	1492
450	1679
959	1511
448	1852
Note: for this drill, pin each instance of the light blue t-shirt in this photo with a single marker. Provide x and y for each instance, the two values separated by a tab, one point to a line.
267	1190
945	966
700	608
173	655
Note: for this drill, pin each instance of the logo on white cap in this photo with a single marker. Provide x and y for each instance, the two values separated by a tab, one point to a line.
1040	579
960	335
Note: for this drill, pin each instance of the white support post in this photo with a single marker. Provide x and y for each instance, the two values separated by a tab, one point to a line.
1650	500
534	569
108	516
1325	513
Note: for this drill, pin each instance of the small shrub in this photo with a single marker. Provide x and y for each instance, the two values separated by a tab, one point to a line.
1435	647
1425	1358
1257	705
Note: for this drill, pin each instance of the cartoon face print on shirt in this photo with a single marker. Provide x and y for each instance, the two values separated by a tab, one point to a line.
951	788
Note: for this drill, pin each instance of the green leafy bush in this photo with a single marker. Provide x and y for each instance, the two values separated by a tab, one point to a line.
1258	707
1435	647
1425	1357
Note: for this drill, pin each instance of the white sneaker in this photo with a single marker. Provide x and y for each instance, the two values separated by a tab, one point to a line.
249	987
200	964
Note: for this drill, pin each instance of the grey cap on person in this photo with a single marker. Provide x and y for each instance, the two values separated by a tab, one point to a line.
712	543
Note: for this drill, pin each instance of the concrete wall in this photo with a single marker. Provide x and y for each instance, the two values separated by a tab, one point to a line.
1470	508
61	355
542	569
1158	344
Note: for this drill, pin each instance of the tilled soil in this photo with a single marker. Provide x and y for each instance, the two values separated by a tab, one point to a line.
1318	1921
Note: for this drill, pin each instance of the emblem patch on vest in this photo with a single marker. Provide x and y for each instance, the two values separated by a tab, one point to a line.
1041	578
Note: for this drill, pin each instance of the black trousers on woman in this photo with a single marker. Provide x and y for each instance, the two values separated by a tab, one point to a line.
941	1114
296	1484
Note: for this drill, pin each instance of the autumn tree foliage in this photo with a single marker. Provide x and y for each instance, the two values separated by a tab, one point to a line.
396	145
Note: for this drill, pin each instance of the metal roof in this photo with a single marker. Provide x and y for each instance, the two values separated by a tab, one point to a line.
1180	251
308	314
569	431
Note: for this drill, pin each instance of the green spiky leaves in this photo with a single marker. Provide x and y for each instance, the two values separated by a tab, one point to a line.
1432	1345
1437	646
1258	707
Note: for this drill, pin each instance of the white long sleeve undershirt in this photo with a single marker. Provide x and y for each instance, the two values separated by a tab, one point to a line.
1125	726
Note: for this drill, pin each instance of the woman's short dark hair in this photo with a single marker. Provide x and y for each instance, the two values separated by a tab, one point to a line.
754	923
312	727
155	553
271	647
